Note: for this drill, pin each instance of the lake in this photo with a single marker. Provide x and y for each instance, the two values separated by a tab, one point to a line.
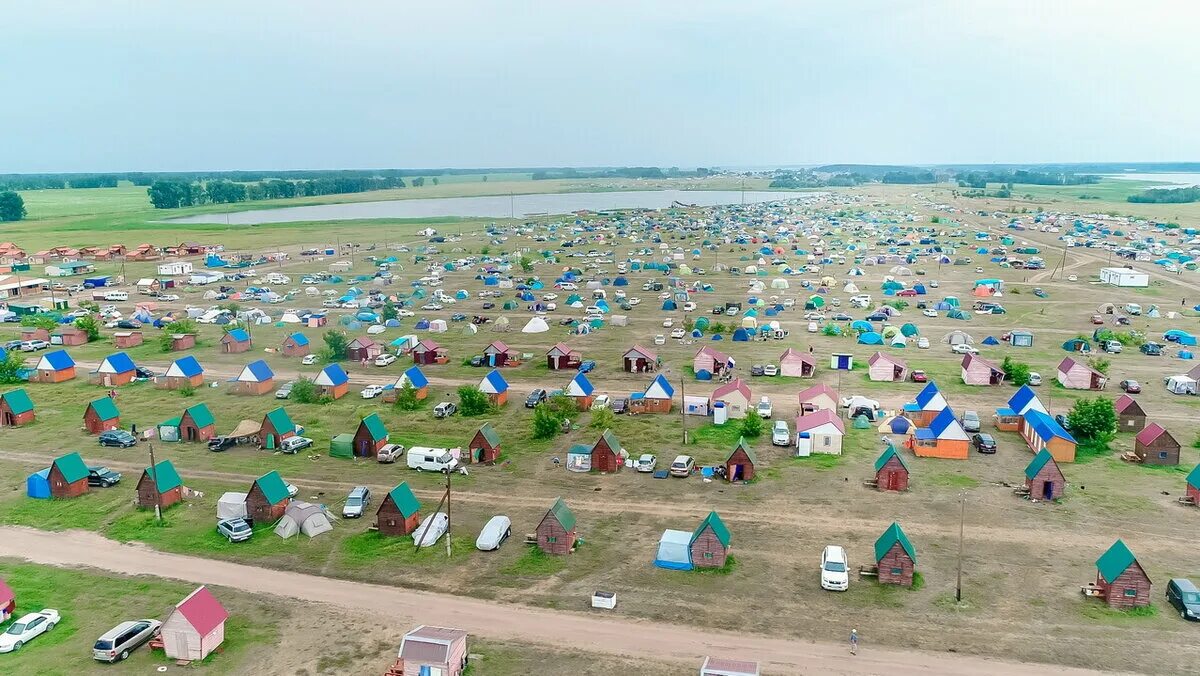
498	206
1168	180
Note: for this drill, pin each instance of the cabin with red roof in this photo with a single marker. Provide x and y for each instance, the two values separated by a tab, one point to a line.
795	364
1154	445
1076	375
978	371
818	398
638	359
886	368
195	627
1130	415
429	352
562	357
498	354
736	396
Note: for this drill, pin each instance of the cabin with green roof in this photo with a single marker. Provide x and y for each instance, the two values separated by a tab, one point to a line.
197	424
276	426
709	547
1122	581
1193	486
607	454
895	557
101	415
1043	477
740	464
370	437
267	498
556	531
159	480
16	408
399	513
68	476
485	445
891	474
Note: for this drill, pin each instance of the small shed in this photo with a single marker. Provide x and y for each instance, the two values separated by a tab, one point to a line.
332	381
1043	477
484	445
363	349
399	513
197	423
561	357
276	426
236	341
895	557
638	359
160	479
495	387
195	627
16	408
797	364
68	476
709	362
891	474
1122	581
437	651
740	465
1130	415
413	376
101	415
1154	445
256	378
819	432
296	345
497	354
115	370
1192	485
69	336
607	454
724	666
1076	375
556	530
267	498
656	399
429	352
182	341
710	543
370	436
8	601
128	339
817	398
736	396
183	372
581	390
54	367
978	371
886	368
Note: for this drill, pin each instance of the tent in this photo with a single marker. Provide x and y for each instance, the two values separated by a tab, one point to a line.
674	550
231	506
741	335
342	446
990	340
861	423
536	325
895	425
37	485
303	517
870	338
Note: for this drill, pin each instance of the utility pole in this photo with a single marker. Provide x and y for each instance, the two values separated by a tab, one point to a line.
962	513
154	479
448	475
683	409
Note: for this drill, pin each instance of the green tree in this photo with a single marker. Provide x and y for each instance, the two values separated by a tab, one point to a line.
9	366
526	264
602	418
1100	364
305	391
752	425
41	320
90	326
12	207
406	397
1093	420
179	326
563	406
472	402
435	180
390	312
336	346
1016	372
546	422
689	323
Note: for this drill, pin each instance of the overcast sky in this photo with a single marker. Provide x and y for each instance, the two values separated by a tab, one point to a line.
108	86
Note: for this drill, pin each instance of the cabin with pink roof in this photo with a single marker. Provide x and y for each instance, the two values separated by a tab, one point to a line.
978	371
1130	415
736	395
710	362
886	368
1154	445
562	357
1076	375
498	355
195	628
638	359
817	398
795	364
819	432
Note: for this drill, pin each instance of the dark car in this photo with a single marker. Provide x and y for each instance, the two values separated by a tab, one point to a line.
118	438
756	370
620	406
477	360
218	444
877	317
458	317
1151	349
918	376
144	373
718	310
535	397
103	477
129	324
587	366
984	443
1185	598
841	317
1130	386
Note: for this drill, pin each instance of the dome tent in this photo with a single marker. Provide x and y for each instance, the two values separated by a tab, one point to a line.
536	325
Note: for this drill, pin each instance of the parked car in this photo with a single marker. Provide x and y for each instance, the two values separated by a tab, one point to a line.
285	390
660	339
28	628
292	490
477	361
1035	378
218	444
1110	346
763	409
390	453
1151	349
432	528
770	370
929	312
1184	597
620	406
835	569
647	462
601	401
780	434
234	530
34	345
115	644
385	359
294	444
494	533
587	366
357	501
813	327
970	421
918	376
103	477
117	438
372	391
963	348
757	370
445	409
682	466
922	343
535	397
1097	319
1130	386
984	443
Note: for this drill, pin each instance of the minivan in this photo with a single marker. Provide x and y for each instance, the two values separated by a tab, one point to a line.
112	296
294	444
683	466
118	642
835	570
431	459
1185	598
356	502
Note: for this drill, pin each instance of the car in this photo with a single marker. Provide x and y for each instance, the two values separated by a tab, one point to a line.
929	312
292	490
1151	349
933	284
922	343
218	444
683	466
678	332
877	317
445	409
494	533
285	390
689	306
405	313
963	348
128	324
668	323
476	361
841	317
11	345
536	397
731	312
309	359
168	298
1131	386
660	339
646	463
1184	597
103	477
978	270
1111	346
587	366
294	444
28	628
142	373
385	359
918	376
1062	421
620	405
780	434
372	391
458	317
835	569
115	644
432	306
815	316
984	443
906	293
1097	319
763	409
813	327
757	369
601	401
34	345
1035	378
358	500
117	438
970	421
770	370
718	309
234	530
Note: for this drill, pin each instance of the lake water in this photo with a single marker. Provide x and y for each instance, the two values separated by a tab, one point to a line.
499	206
1170	180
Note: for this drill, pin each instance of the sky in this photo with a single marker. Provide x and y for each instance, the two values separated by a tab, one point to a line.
167	86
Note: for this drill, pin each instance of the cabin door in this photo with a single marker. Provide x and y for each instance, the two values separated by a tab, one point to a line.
1048	490
364	447
893	481
177	644
192	433
270	445
8	419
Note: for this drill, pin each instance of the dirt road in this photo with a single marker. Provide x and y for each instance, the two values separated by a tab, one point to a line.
583	631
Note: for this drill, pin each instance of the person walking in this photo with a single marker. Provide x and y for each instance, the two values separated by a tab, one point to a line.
853	641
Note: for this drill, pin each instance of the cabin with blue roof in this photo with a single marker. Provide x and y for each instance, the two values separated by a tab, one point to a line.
255	378
1041	431
943	438
53	367
581	390
495	387
183	372
413	376
332	382
115	370
236	341
1008	418
928	404
296	345
656	399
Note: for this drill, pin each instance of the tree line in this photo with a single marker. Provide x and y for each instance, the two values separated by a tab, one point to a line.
791	180
1167	196
57	182
619	172
174	194
980	179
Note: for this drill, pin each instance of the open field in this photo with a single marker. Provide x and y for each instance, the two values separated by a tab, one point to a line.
1023	561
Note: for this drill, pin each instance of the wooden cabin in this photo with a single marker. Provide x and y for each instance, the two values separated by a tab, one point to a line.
429	352
485	445
740	465
796	364
1130	415
363	349
276	426
370	436
895	557
928	404
1008	418
1192	485
1122	581
255	379
236	341
495	387
1076	375
296	345
638	359
886	368
69	336
183	372
710	544
607	454
413	376
1043	477
54	367
115	370
891	474
267	498
562	357
1041	431
16	408
736	396
656	399
195	627
556	530
709	362
437	651
68	477
161	479
1154	445
581	391
399	513
101	415
978	371
944	438
498	354
182	341
820	432
332	382
128	339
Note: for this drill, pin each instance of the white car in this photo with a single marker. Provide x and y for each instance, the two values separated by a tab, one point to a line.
678	332
635	301
569	286
764	409
668	323
169	298
1035	378
431	306
813	327
372	391
550	296
309	359
1072	278
600	402
835	569
689	306
330	303
933	284
385	359
780	434
291	490
27	628
405	313
819	316
494	533
646	462
770	370
929	312
660	339
963	348
923	343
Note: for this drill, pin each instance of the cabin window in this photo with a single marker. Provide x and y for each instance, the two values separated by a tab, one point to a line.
1162	455
827	441
897	571
1130	592
550	539
708	555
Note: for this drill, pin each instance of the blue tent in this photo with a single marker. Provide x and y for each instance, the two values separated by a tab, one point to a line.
422	324
696	333
870	338
38	485
703	374
741	335
674	550
1181	337
860	325
669	304
990	341
491	281
620	281
899	425
717	336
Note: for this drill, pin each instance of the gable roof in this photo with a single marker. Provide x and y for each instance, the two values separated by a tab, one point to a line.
1024	399
818	418
1045	426
185	367
332	376
374	427
414	376
1151	433
887	455
425	345
71	466
405	501
493	383
202	610
816	390
105	408
200	415
280	420
118	362
638	350
56	361
893	535
164	475
929	394
272	486
361	342
490	435
497	346
580	386
888	358
563	514
1193	477
236	335
717	355
663	387
609	438
1126	403
1039	461
298	338
969	359
944	423
736	385
6	593
795	354
256	372
1115	561
18	401
718	527
746	448
1068	364
560	348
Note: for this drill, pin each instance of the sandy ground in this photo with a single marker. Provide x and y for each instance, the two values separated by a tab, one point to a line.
497	621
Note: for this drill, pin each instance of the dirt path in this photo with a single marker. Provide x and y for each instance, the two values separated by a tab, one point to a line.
588	632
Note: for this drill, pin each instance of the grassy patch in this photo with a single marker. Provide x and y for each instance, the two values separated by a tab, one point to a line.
819	461
535	563
724	436
918	581
873	594
730	564
951	480
1103	613
1090	449
88	512
369	547
947	602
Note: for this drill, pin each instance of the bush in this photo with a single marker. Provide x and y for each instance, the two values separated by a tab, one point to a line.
41	320
305	391
406	398
752	425
168	333
1016	372
546	422
90	326
472	402
1093	420
602	418
9	366
1100	364
187	391
336	346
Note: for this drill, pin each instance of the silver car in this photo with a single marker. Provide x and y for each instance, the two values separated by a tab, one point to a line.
494	534
235	530
116	643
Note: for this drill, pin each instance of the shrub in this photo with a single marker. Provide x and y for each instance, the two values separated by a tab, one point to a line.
406	398
472	402
752	425
336	346
305	391
1093	420
1016	372
602	418
90	326
546	422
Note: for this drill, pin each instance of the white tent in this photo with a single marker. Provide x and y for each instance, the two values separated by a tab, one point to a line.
470	329
437	326
756	286
231	506
290	317
779	283
303	517
749	323
1181	384
674	550
850	287
375	329
536	325
958	338
312	291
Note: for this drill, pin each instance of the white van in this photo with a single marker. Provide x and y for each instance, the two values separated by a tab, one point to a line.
682	466
431	459
114	296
